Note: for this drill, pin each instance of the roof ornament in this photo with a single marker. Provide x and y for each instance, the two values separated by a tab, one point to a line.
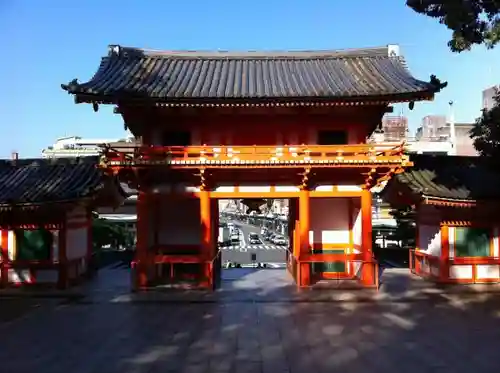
411	105
114	50
437	84
95	106
71	87
393	50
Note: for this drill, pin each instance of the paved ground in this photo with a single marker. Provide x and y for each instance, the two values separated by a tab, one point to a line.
241	253
254	334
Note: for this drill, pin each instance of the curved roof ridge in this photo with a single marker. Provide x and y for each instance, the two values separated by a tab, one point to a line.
252	54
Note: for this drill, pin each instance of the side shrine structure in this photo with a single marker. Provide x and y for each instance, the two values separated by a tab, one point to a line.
455	202
46	218
247	125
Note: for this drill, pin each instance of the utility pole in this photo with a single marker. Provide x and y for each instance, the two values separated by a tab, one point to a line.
453	139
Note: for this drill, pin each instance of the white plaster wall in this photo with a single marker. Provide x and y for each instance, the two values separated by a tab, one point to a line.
485	271
329	220
19	276
430	239
179	222
461	271
357	228
76	238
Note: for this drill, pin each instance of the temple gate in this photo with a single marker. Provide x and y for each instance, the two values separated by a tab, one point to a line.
224	125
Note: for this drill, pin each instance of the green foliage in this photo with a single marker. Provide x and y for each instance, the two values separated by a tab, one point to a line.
486	134
108	233
473	22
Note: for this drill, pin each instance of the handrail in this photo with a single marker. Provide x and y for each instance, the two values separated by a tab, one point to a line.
351	153
351	149
349	258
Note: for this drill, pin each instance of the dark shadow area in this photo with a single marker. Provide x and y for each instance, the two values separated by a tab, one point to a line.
457	177
306	333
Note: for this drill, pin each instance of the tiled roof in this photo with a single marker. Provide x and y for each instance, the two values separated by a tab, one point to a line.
370	74
450	178
40	181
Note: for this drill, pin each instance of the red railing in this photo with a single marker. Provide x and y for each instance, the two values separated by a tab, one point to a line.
223	155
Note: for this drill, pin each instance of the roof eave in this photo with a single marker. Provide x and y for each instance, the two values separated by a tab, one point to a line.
37	205
383	99
449	202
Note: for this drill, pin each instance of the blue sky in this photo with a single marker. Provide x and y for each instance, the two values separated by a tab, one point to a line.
46	43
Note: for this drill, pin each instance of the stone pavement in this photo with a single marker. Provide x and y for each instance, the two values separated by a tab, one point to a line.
253	333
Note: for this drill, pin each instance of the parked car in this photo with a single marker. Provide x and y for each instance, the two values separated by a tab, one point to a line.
263	231
253	239
279	240
269	237
235	237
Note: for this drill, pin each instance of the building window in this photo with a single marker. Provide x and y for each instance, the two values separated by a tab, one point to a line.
176	138
33	244
332	138
472	242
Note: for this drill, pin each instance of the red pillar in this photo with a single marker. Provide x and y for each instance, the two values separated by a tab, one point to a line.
207	241
4	255
62	258
142	246
444	261
304	226
368	269
90	240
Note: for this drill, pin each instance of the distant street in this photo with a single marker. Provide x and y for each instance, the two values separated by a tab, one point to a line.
266	252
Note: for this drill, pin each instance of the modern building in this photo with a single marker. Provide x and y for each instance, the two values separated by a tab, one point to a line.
488	95
463	142
433	128
76	146
395	127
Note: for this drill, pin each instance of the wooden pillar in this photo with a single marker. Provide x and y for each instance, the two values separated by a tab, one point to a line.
207	241
142	246
217	260
62	280
292	216
90	243
304	226
444	270
368	270
4	255
156	225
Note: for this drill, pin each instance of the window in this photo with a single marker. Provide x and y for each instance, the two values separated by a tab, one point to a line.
332	138
33	244
176	138
472	242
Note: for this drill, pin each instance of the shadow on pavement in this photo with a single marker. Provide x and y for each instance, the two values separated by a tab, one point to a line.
266	328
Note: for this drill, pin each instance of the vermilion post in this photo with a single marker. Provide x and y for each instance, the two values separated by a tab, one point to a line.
63	259
367	269
305	247
206	233
142	239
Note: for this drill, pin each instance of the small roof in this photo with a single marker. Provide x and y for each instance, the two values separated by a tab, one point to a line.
448	178
376	74
28	182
